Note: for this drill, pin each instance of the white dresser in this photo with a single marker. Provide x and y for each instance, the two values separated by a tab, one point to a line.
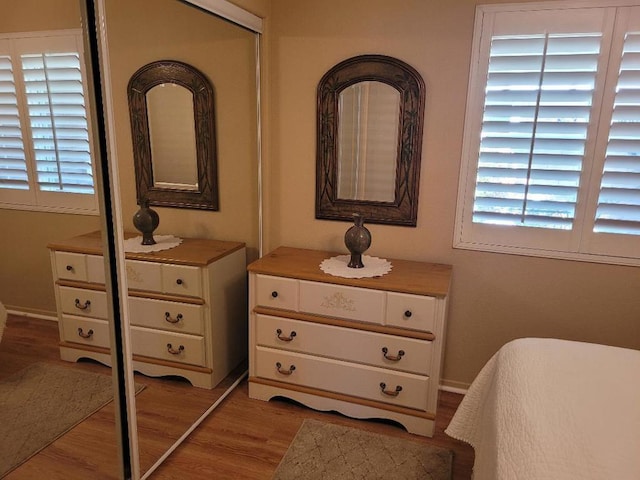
187	306
368	348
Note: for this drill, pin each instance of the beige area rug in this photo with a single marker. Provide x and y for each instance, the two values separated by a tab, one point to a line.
41	403
325	451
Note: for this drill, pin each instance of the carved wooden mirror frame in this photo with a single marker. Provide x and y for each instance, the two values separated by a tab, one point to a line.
404	78
170	71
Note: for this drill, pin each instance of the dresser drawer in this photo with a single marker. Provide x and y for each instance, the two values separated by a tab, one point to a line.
144	275
79	267
165	315
343	377
86	331
84	302
276	292
174	347
181	280
351	303
411	311
157	277
377	349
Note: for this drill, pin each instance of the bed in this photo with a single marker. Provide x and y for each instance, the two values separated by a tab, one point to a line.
554	409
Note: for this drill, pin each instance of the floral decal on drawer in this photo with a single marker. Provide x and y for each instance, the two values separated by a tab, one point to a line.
338	301
134	275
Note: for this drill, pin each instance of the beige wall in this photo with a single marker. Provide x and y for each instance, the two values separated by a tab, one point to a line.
494	298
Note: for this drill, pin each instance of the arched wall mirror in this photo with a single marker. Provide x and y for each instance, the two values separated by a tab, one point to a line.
172	110
369	141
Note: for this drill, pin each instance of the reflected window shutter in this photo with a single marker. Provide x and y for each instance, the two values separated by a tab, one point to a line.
618	209
534	129
13	165
58	120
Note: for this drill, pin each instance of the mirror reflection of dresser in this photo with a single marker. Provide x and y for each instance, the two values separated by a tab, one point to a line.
187	307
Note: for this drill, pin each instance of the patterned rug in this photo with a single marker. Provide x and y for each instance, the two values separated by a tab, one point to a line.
41	403
327	452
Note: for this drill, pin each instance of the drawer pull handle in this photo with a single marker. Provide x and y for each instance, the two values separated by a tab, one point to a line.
408	313
274	294
394	393
393	358
167	317
173	351
179	281
285	372
83	306
89	334
286	339
69	268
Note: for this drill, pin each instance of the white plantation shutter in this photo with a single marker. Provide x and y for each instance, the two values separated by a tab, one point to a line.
58	119
618	209
551	153
534	128
13	164
45	149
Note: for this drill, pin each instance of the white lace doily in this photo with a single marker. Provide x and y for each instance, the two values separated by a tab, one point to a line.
163	242
338	267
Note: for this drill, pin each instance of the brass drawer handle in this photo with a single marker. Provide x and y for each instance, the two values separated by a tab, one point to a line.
84	306
167	317
391	393
393	358
285	372
286	339
173	351
89	334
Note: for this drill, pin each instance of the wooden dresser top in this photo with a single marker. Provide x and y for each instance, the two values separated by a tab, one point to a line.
192	251
416	278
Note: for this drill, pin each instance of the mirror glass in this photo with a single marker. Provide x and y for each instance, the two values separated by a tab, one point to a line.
369	141
226	55
32	337
172	137
368	138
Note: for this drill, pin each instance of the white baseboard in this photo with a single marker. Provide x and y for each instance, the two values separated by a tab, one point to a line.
461	391
40	316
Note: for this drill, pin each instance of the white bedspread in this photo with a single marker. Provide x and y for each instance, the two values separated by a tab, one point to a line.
554	409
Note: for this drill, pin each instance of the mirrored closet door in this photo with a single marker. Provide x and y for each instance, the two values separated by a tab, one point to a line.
64	426
167	398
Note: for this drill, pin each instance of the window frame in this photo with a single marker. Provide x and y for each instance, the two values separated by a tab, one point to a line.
580	243
34	199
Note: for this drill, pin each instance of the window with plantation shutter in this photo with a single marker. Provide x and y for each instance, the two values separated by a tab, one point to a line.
45	142
551	149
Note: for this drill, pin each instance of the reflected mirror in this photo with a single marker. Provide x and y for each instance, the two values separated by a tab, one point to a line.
369	141
172	112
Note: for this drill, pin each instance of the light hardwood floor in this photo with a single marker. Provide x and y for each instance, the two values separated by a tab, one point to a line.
241	439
